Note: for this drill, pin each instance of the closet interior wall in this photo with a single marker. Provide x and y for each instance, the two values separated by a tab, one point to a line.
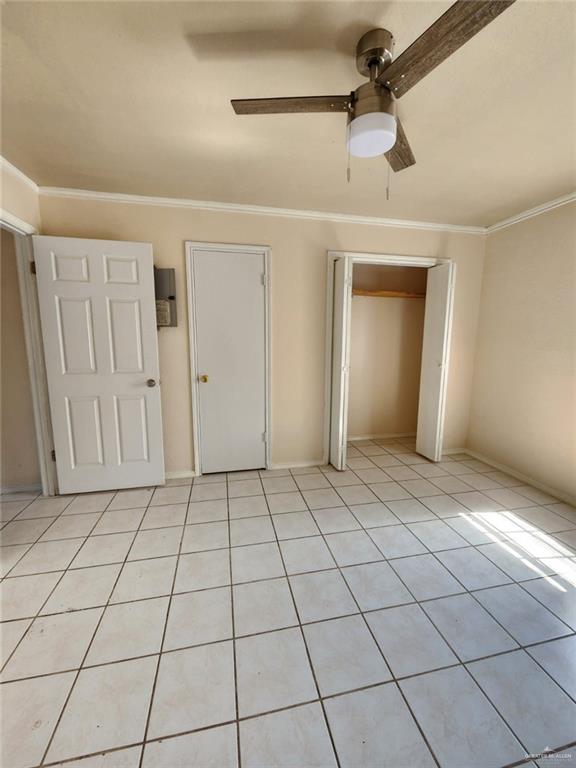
386	350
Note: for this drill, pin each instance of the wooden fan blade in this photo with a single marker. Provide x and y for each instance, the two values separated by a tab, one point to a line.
401	155
461	22
296	104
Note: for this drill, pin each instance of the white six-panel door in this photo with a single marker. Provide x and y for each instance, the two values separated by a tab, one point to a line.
229	339
97	311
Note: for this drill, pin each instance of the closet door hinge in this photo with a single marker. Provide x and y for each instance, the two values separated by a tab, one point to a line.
264	437
32	267
53	455
263	279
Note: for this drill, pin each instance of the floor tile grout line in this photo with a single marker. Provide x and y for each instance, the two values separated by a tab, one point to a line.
369	629
571	523
441	634
307	650
526	649
179	734
520	646
465	545
433	552
528	760
37	541
296	625
72	687
38	613
233	620
390	561
166	620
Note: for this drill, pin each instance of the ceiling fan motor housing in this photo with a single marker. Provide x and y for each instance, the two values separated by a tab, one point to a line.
375	47
371	97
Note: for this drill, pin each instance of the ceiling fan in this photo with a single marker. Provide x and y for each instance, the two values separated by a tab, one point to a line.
373	128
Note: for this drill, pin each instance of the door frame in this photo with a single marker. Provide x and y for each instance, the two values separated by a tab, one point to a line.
356	257
22	232
264	250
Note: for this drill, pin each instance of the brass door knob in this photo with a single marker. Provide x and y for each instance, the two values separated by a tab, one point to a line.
203	379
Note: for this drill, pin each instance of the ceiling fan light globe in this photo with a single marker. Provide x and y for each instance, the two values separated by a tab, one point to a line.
372	134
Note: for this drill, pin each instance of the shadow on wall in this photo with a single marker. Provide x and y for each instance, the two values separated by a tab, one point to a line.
18	454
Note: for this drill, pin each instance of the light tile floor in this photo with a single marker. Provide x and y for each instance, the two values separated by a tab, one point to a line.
401	613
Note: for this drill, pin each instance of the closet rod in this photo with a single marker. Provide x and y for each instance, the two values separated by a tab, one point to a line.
388	294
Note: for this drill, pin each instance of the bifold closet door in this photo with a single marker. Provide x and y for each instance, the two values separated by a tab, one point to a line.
435	353
340	361
98	318
229	305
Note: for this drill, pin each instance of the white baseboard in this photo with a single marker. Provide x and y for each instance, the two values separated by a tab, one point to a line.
296	464
562	495
381	436
182	474
21	488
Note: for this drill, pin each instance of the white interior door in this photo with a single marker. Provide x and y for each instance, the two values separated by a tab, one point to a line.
435	352
340	361
97	312
230	360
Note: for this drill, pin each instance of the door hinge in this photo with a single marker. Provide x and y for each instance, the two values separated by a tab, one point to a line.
32	267
264	437
263	279
53	455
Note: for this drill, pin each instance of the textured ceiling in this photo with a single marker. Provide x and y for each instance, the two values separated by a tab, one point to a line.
134	97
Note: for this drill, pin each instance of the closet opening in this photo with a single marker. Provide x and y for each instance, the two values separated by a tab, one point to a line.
387	354
386	333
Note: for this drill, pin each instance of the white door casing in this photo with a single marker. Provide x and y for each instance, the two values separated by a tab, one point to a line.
97	311
435	357
229	339
340	361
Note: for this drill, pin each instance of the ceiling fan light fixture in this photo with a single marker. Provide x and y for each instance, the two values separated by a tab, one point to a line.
371	134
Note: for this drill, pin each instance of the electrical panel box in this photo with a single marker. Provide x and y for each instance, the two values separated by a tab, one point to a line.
165	290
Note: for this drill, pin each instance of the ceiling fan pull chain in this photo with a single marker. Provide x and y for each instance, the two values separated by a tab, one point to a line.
388	176
348	174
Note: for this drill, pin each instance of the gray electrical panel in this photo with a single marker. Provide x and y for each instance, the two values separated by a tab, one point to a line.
165	290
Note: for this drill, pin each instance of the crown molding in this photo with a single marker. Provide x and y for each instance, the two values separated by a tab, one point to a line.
7	167
291	213
532	212
14	224
258	210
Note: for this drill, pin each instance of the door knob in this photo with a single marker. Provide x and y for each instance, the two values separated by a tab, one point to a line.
203	379
151	382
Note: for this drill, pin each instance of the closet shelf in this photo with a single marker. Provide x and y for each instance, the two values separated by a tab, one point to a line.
388	294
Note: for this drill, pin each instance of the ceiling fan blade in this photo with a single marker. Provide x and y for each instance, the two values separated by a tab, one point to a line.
296	104
461	22
401	155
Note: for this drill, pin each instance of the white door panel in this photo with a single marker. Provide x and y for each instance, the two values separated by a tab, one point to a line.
97	311
230	336
340	361
435	353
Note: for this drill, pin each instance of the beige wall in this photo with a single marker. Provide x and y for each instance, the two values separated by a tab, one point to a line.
19	198
298	306
385	358
524	399
383	277
18	455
